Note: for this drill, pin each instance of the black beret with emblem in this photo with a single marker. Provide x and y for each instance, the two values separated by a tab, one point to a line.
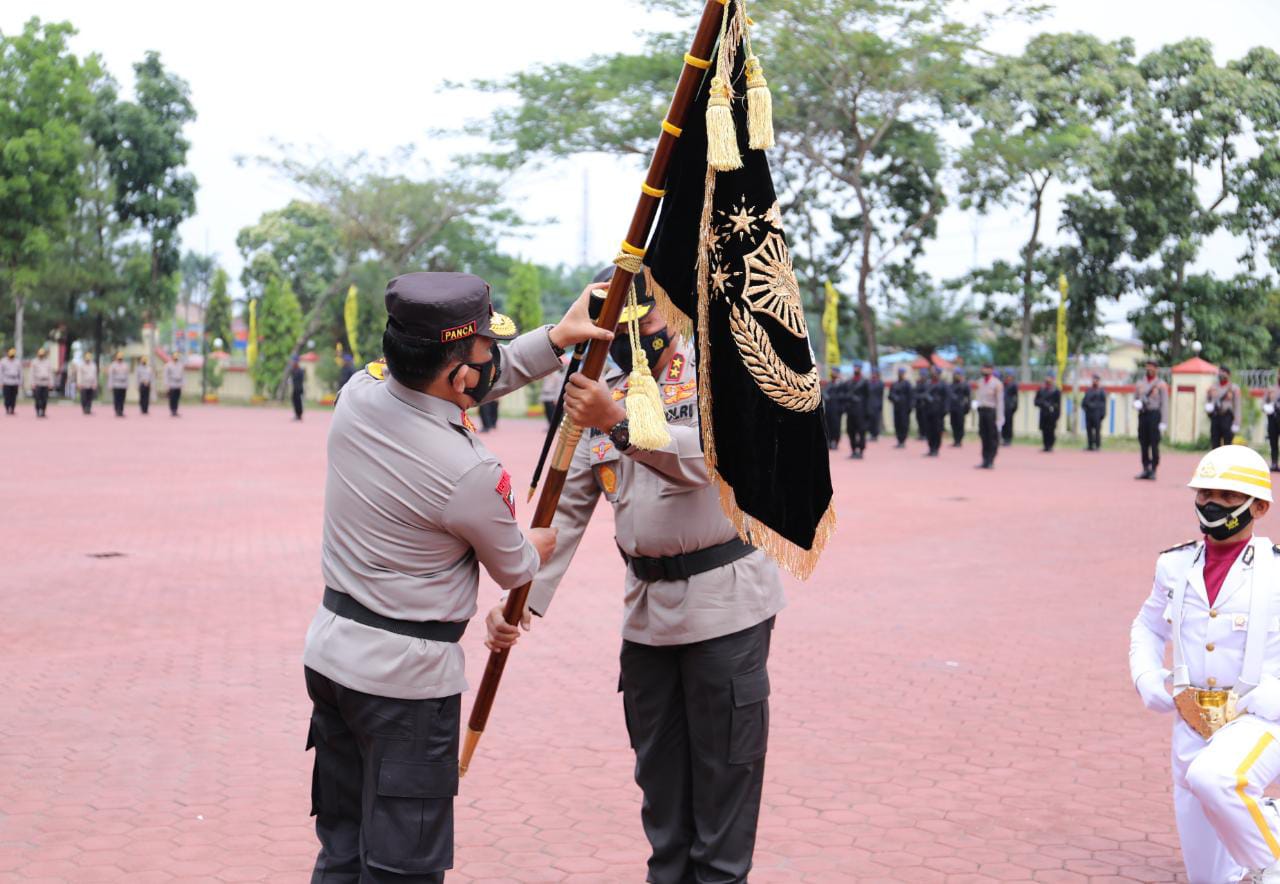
444	307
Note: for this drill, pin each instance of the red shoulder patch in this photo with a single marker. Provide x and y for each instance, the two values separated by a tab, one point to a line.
506	493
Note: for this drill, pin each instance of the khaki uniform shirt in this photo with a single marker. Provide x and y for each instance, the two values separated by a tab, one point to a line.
10	372
174	374
118	375
990	394
414	504
145	375
1225	399
664	504
86	375
41	372
1154	396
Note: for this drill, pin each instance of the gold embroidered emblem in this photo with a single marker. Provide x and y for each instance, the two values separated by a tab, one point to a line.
377	370
770	286
1207	471
500	324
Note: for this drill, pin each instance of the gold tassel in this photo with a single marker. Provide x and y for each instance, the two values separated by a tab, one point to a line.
759	107
646	421
722	138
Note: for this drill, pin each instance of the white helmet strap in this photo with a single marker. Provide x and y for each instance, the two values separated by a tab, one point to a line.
1234	515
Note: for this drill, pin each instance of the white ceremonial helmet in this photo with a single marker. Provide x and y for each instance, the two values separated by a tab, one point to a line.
1234	468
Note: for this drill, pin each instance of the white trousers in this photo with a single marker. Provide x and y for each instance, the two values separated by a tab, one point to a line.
1225	827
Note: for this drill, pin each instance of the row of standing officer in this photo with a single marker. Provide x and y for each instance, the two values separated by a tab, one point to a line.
84	374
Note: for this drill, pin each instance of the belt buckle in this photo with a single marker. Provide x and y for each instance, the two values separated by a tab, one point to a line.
1206	712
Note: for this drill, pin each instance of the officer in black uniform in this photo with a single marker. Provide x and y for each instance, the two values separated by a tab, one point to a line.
959	407
937	404
298	378
1094	407
1049	401
857	411
903	397
875	405
921	401
833	399
1010	407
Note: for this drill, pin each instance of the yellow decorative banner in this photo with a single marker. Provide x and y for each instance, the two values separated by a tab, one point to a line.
831	326
350	315
1062	329
251	351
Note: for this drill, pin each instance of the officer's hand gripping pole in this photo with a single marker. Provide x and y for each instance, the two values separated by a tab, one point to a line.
696	64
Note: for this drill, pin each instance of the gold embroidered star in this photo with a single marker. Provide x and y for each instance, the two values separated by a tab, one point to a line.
719	278
743	221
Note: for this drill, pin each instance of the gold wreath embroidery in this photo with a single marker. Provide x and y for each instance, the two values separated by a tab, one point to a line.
778	381
501	325
770	285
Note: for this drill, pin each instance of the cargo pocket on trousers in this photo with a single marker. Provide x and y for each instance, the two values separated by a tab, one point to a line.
410	828
749	717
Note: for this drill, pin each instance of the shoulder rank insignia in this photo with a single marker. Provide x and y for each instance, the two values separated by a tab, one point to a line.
377	370
1179	546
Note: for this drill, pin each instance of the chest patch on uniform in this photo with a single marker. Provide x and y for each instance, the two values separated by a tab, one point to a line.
620	393
676	393
676	369
608	480
600	449
506	493
466	422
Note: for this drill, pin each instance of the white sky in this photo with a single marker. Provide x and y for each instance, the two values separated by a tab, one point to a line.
343	78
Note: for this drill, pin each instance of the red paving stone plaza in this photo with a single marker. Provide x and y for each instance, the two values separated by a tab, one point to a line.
950	690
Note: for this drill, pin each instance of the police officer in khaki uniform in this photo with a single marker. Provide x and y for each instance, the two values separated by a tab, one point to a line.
118	381
414	505
11	379
41	381
87	382
1222	402
174	375
989	402
699	611
145	377
1151	399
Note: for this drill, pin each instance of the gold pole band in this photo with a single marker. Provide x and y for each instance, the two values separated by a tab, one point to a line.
632	250
652	191
671	129
694	62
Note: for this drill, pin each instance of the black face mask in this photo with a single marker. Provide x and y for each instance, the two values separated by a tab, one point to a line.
489	373
1220	522
654	346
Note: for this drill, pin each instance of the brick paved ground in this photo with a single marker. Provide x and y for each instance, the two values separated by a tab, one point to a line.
951	700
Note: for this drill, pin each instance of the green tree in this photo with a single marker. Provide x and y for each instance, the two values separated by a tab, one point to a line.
522	299
217	317
300	243
1093	261
279	326
1222	314
44	97
928	318
147	152
1039	118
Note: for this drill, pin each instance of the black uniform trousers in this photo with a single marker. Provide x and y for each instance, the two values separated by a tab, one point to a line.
86	399
297	403
875	420
988	433
902	423
1149	438
698	719
1093	430
117	399
957	425
1273	435
10	398
834	417
857	428
549	409
933	431
1006	432
175	396
144	397
382	788
1048	428
488	416
41	395
1220	429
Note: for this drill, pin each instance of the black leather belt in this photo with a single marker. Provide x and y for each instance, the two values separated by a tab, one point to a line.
433	630
683	567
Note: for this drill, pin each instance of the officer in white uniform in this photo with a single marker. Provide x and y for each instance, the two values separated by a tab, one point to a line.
1216	599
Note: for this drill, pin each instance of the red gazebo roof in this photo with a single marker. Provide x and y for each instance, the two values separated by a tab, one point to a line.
1195	365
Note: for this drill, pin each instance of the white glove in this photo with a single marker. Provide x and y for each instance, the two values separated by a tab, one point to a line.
1151	689
974	405
1208	407
1269	408
1235	428
1264	700
1137	405
1164	427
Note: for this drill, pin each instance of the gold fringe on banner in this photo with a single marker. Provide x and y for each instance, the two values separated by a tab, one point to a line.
677	320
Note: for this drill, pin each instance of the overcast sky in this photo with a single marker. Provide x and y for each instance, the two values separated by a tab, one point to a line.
342	78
